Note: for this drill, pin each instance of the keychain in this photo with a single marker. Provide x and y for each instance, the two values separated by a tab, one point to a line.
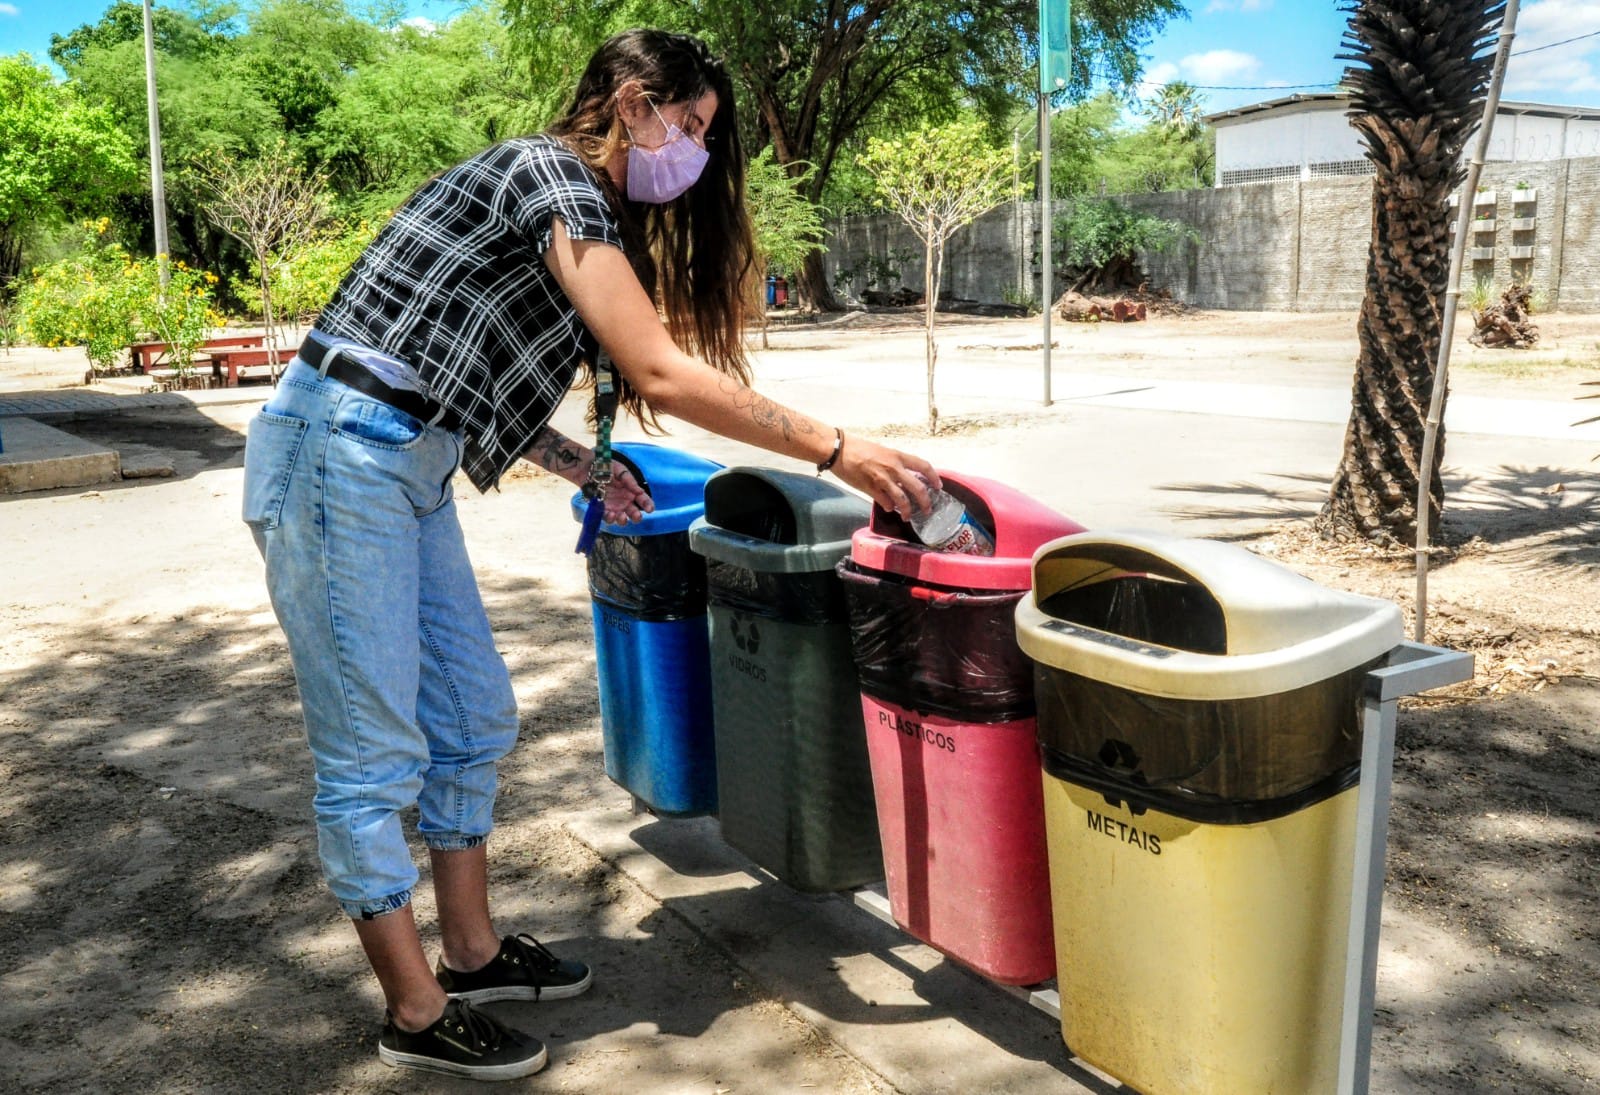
600	468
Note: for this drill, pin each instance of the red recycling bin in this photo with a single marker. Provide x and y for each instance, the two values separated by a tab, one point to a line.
947	697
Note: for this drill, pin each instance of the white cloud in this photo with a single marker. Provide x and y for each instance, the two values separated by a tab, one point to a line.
421	23
1219	66
10	9
1237	5
1526	78
1156	76
1574	67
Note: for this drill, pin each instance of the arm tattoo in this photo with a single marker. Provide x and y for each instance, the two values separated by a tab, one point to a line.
554	452
764	411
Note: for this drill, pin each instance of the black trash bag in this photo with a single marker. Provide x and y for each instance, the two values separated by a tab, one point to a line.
938	650
801	598
652	578
1148	609
1236	761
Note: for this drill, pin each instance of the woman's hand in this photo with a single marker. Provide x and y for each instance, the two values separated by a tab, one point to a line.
626	501
895	480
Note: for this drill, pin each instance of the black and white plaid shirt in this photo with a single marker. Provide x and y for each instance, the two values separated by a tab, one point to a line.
455	285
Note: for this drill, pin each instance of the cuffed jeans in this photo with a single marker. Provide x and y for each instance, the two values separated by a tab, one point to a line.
406	700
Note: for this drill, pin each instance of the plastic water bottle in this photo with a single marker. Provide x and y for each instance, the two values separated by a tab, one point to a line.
947	526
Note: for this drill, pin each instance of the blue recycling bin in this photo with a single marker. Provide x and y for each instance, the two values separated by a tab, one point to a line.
651	640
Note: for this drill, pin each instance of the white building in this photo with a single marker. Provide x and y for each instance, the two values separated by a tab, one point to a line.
1308	136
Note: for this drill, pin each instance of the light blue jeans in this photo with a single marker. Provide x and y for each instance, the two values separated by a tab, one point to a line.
406	700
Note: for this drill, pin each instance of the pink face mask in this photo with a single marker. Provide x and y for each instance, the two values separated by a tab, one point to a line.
657	175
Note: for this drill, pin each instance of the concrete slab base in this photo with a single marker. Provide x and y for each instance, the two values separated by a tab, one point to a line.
919	1020
40	457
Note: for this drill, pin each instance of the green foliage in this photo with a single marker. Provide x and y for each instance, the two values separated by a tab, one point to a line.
1098	233
302	282
59	157
787	227
940	179
875	272
101	298
180	314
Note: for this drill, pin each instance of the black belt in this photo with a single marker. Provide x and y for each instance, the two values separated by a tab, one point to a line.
350	372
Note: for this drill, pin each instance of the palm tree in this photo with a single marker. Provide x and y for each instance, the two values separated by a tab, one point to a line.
1419	73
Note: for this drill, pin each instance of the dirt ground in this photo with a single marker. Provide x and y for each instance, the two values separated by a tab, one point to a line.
166	929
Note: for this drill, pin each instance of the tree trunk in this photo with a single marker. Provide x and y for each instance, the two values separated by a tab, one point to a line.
1375	487
933	255
811	285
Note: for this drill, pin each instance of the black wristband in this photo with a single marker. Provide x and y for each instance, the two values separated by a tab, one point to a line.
833	457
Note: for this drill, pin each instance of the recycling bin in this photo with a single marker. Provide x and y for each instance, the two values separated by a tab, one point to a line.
794	791
1200	735
649	609
947	698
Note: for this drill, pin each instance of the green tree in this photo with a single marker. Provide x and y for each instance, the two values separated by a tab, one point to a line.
59	158
273	206
939	180
1101	240
1419	76
177	33
817	74
787	227
395	121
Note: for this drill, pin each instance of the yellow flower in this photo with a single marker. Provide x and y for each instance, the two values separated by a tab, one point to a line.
211	278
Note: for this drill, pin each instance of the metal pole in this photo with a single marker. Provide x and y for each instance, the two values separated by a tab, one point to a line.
1412	668
1044	230
1430	429
158	189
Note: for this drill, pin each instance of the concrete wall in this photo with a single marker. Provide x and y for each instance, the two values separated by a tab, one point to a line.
1281	246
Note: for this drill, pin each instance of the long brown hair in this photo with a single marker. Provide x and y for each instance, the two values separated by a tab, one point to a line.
694	254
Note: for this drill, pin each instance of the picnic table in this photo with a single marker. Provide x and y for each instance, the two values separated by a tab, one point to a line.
148	355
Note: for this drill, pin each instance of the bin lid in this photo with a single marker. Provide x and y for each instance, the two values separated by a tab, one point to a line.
675	479
1018	523
1279	630
776	521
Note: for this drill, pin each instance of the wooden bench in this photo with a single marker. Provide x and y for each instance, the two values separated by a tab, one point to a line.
146	356
251	363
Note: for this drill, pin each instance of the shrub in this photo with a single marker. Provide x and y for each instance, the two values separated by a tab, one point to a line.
102	299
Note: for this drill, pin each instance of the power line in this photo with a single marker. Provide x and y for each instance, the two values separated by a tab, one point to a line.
1335	84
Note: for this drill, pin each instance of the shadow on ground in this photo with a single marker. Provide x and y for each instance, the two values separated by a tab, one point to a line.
167	927
1541	517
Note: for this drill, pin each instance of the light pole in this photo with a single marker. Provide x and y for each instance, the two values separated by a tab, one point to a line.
158	189
1055	70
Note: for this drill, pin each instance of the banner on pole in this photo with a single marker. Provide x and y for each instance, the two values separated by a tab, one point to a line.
1055	45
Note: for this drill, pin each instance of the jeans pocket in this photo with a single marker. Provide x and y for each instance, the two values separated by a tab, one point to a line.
377	424
271	448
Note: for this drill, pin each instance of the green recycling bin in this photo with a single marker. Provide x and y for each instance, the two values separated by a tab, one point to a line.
794	788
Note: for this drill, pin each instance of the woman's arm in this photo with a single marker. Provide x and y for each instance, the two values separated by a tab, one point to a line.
553	451
603	288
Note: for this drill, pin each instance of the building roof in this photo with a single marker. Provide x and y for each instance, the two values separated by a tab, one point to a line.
1339	98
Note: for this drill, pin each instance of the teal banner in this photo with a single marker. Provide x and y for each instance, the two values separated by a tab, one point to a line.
1055	45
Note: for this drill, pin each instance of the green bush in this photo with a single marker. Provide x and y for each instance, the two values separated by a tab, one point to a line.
303	282
103	299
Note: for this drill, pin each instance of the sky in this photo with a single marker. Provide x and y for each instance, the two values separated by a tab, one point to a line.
1237	51
1247	51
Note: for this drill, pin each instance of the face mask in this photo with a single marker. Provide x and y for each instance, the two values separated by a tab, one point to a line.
657	175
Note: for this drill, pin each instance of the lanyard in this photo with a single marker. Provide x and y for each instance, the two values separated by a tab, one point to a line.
605	406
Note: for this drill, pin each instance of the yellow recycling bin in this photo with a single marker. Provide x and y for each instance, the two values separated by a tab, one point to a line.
1199	730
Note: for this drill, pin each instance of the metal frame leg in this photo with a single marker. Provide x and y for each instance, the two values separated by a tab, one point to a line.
1412	668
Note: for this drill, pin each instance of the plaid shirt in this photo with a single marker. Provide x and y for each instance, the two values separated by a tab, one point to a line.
456	286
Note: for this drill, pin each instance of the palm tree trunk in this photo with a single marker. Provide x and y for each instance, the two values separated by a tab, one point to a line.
1421	68
1375	488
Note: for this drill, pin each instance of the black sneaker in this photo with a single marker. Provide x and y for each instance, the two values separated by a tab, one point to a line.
463	1042
523	970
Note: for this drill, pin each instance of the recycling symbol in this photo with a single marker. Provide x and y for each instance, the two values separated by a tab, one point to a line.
746	635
